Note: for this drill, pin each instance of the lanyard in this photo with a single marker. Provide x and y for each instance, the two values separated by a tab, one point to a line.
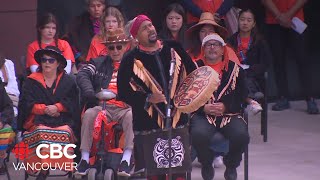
242	54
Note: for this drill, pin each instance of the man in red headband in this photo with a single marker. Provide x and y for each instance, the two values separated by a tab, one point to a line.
143	80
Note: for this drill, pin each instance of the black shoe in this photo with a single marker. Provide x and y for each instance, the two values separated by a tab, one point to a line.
43	175
124	169
2	170
281	105
312	107
82	168
207	172
230	174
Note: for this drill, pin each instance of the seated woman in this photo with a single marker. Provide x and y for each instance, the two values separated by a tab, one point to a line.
48	106
174	24
47	35
222	113
111	19
254	55
6	132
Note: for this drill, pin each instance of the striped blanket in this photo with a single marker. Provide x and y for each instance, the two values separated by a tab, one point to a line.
6	137
62	135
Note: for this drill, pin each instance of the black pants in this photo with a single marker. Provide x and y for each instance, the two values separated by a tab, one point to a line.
235	131
284	41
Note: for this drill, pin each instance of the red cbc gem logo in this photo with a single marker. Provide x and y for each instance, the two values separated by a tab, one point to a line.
21	150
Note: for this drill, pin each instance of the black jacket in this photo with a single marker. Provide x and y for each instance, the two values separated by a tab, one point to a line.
34	92
258	55
232	98
94	76
6	107
136	99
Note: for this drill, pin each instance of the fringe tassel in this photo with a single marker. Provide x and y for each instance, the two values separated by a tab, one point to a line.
176	74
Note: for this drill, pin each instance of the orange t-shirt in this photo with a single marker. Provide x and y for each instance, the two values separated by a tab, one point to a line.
96	48
34	46
243	46
206	6
283	6
113	86
217	67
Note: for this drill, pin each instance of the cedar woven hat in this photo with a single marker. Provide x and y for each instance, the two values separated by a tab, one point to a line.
207	18
51	50
116	36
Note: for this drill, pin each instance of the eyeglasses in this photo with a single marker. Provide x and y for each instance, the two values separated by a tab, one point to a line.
112	48
50	60
214	45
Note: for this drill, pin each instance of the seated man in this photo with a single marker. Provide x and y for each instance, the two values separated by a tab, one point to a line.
222	113
102	73
6	115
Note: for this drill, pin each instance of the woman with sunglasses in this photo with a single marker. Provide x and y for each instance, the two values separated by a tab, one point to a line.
112	19
48	106
47	28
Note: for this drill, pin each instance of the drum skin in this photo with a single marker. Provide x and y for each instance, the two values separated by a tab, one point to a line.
196	89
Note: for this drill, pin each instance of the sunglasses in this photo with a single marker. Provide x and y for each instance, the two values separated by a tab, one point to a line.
50	60
112	48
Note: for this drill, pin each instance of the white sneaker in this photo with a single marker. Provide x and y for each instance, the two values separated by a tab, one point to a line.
254	107
218	162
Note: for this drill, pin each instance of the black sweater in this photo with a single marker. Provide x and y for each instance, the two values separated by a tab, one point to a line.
258	55
34	92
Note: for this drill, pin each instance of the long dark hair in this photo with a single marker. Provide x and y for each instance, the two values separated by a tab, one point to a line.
165	32
194	42
42	22
256	36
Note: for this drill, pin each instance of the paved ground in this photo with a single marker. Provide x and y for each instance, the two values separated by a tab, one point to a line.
292	151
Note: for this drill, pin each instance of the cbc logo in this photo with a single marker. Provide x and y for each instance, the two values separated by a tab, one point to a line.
56	151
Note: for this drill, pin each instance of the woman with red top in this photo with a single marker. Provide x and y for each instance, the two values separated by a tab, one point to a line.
47	108
112	19
254	55
174	24
47	36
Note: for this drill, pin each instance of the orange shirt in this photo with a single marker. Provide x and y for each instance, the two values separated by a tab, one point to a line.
34	46
243	46
206	6
96	48
283	6
113	86
217	67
